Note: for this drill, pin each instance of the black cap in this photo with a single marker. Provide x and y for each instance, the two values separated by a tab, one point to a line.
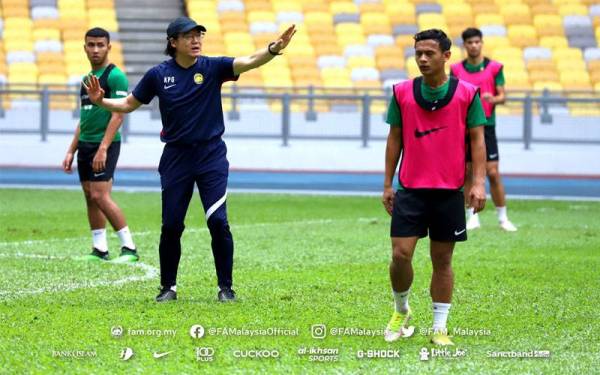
183	25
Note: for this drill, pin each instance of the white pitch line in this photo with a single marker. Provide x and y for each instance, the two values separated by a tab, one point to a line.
189	230
150	273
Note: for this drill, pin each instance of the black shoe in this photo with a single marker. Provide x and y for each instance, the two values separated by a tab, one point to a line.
226	295
166	294
96	255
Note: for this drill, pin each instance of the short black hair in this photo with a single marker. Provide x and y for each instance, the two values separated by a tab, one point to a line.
435	34
170	50
471	32
98	32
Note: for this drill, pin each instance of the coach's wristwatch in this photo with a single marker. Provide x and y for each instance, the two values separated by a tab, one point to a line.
271	52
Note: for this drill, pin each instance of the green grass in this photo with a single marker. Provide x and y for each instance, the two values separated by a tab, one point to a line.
299	261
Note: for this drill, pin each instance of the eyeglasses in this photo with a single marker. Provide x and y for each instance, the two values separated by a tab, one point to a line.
190	37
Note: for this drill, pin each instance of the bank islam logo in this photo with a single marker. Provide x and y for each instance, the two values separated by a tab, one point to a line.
116	331
197	331
424	354
126	354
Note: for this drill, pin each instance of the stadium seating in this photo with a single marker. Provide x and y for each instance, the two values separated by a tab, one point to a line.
42	42
352	44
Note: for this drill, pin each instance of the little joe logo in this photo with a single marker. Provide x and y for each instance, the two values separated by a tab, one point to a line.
126	354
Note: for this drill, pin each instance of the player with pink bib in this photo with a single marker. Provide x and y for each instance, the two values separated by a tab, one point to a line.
430	119
488	76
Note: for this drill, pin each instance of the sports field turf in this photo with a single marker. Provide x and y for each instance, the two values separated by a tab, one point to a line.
299	261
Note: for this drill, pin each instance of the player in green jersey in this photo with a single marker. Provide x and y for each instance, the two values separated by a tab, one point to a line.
97	142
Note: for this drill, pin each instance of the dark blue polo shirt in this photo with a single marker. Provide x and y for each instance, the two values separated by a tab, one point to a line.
189	99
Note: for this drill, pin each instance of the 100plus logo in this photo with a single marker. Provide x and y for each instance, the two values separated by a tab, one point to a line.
205	354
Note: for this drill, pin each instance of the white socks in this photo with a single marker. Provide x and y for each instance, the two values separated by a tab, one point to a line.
502	216
440	311
500	211
440	316
401	301
125	237
99	239
470	212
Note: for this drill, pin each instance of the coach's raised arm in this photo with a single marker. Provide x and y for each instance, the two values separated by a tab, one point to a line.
264	55
241	65
96	96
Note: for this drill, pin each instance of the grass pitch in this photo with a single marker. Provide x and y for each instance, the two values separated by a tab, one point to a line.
299	261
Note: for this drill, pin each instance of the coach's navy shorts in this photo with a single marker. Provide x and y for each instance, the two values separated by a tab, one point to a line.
441	213
85	156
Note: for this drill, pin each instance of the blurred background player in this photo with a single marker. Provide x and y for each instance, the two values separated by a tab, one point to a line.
429	118
189	90
488	76
97	142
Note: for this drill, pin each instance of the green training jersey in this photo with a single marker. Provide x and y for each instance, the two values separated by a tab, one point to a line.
94	119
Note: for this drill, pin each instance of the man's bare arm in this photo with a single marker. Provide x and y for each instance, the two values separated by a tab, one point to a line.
476	196
68	160
263	56
392	155
99	162
96	95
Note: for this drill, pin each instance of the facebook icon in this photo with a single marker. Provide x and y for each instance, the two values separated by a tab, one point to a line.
197	331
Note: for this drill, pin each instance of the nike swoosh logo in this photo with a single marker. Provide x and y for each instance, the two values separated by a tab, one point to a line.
160	355
98	174
419	134
168	87
493	156
458	233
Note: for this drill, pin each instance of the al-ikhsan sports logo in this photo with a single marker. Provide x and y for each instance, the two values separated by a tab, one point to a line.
198	78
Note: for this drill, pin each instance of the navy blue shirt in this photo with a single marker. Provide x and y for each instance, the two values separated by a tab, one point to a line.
189	99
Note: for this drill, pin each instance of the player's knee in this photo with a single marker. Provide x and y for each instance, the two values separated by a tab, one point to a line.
97	197
494	175
172	231
442	263
218	226
401	255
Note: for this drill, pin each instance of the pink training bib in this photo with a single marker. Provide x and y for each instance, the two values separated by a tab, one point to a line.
484	79
433	135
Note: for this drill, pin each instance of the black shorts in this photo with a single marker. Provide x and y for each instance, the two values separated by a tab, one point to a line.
491	144
439	212
85	156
